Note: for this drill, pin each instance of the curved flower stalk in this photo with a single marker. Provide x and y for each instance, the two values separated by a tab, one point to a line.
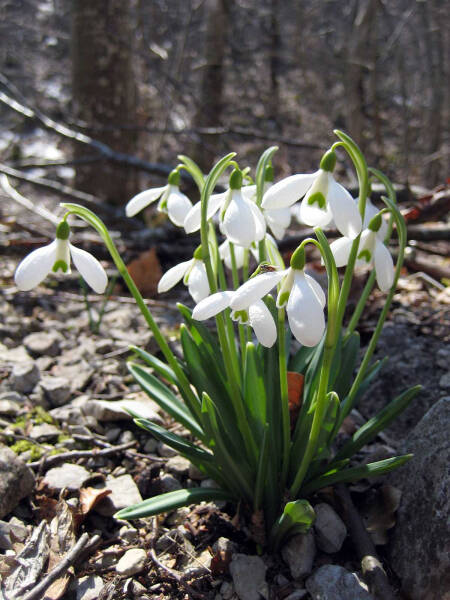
56	257
193	274
240	219
257	315
300	293
171	200
324	199
371	251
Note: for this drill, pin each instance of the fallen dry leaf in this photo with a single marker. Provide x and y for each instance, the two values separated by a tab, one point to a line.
90	496
146	272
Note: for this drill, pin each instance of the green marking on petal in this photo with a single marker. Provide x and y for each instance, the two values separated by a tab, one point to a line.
241	316
60	264
283	298
318	198
365	255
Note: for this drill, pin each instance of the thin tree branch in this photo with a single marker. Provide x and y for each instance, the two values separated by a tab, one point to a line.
58	570
39	210
50	461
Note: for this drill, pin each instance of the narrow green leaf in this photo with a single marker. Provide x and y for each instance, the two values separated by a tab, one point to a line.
264	161
261	474
194	170
158	365
165	398
254	391
171	501
350	353
347	475
371	429
301	359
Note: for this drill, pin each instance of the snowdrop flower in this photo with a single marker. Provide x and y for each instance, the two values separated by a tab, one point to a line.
194	276
324	199
277	219
371	212
371	251
56	256
301	294
171	200
240	219
257	315
225	255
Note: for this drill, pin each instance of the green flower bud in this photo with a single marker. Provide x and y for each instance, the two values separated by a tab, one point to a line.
328	161
298	259
63	231
174	178
236	180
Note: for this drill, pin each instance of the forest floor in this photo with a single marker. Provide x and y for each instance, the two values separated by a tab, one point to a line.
57	377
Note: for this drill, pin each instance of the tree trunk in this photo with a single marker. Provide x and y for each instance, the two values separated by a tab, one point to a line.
104	92
210	105
275	63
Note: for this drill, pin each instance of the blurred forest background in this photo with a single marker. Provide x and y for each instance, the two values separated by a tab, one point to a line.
151	79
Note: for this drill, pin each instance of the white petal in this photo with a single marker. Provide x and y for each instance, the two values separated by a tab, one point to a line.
260	222
238	222
35	267
366	242
212	305
384	266
173	276
261	320
344	209
193	218
341	250
254	289
198	281
317	289
178	206
278	220
287	191
90	269
140	201
305	314
313	214
249	192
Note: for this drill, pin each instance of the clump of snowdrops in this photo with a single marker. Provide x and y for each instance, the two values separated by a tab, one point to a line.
230	391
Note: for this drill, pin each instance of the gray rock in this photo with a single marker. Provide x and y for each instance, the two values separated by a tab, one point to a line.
150	446
132	562
297	595
169	483
249	576
9	408
42	343
105	410
420	543
12	397
16	480
126	436
329	527
13	531
89	588
164	450
67	476
44	432
332	582
299	553
78	374
25	376
68	414
129	534
444	381
112	433
227	590
56	389
178	465
124	492
443	358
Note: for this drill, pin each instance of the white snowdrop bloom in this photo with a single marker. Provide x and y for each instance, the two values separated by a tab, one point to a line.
324	199
225	254
240	219
300	293
257	315
370	212
55	257
193	274
277	219
171	200
371	251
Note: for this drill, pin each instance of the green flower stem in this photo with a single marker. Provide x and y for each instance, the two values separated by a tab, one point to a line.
92	219
331	338
245	265
284	394
241	328
359	162
402	236
228	348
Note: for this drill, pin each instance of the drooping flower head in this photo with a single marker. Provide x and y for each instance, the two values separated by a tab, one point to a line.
324	199
193	274
299	292
257	315
240	219
371	251
56	257
171	200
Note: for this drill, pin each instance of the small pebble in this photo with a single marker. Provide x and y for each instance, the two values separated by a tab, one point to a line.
132	562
